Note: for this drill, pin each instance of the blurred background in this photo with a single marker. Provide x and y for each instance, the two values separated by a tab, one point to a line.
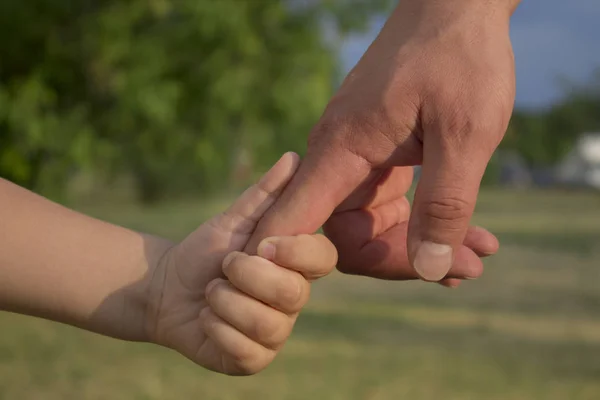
153	114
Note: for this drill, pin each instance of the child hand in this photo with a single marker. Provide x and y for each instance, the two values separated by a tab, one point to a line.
251	314
229	311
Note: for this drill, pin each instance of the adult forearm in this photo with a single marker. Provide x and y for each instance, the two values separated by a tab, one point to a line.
64	266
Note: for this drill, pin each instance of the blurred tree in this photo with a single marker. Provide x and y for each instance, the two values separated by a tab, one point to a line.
543	137
174	93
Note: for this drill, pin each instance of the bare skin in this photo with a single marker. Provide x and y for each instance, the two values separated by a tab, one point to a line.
223	309
436	88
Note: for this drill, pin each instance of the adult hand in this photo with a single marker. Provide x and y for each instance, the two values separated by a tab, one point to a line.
436	88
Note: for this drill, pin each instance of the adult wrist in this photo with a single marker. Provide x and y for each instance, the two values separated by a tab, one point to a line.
445	9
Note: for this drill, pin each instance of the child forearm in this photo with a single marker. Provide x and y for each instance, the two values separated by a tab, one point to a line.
225	310
61	265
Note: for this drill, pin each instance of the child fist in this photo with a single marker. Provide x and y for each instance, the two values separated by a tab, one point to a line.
229	311
251	314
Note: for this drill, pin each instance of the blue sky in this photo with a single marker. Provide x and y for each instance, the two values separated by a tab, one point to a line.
551	39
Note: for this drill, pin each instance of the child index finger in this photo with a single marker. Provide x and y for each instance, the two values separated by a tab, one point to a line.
247	210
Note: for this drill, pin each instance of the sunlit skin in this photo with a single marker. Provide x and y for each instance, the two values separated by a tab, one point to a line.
383	221
223	309
436	88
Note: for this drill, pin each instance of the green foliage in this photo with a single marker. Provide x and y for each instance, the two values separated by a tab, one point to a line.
544	137
173	93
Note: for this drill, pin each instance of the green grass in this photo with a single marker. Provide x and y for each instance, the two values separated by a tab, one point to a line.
528	329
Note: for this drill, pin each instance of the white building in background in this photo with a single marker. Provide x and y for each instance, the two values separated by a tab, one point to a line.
581	167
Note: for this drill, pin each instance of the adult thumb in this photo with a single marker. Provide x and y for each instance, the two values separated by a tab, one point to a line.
326	176
443	205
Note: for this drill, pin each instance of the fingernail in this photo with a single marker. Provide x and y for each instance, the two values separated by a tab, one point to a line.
433	261
211	285
266	249
449	286
492	241
228	258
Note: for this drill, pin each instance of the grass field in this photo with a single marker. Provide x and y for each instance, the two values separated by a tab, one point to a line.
528	329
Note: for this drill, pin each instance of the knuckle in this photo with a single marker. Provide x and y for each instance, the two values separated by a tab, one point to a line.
458	122
248	361
244	363
339	128
205	314
464	130
291	293
270	332
209	319
464	113
330	127
235	270
449	209
230	223
218	293
346	130
241	269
